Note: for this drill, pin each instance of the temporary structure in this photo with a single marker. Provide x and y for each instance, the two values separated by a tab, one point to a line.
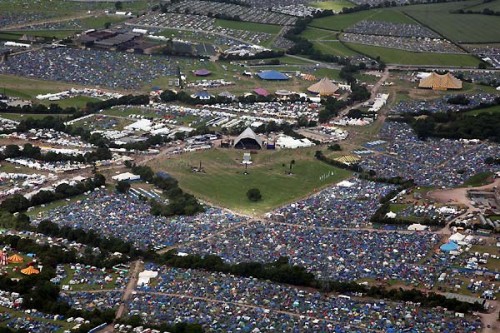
15	259
248	140
30	270
440	82
325	87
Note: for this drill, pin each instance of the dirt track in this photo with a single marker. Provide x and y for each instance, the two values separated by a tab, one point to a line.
459	195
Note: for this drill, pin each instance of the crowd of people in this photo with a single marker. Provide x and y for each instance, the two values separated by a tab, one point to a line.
229	303
419	44
346	205
343	255
128	218
434	162
114	70
381	28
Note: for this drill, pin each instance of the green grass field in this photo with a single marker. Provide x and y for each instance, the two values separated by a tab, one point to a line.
225	184
394	56
492	109
256	27
333	48
340	22
462	28
493	5
479	179
77	102
19	116
336	5
318	34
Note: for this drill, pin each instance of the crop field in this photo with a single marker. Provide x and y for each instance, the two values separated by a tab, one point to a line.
340	22
394	56
225	184
336	5
461	28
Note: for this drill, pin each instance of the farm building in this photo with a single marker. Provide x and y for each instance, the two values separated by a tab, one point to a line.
248	140
272	76
325	87
440	82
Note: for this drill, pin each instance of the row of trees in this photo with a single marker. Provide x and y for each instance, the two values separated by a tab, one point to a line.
282	271
182	96
34	152
321	157
179	202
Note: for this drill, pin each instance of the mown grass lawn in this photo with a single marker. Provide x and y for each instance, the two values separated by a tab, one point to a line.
225	184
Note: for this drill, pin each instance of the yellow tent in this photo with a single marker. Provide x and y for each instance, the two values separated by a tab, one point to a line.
15	259
30	270
325	87
440	82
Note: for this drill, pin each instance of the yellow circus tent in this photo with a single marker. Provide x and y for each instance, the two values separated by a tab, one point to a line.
440	82
15	259
325	87
30	270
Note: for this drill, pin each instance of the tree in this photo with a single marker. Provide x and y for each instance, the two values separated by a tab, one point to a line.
292	163
118	5
254	195
123	186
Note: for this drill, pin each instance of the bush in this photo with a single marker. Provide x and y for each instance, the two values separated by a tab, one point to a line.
123	186
254	195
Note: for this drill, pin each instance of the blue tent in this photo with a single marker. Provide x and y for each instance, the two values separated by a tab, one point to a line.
272	75
450	246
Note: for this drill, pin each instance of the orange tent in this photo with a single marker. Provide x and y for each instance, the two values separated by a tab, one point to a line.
15	259
30	270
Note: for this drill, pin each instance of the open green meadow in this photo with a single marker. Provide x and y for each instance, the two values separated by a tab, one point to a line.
493	5
77	102
22	116
493	109
460	28
313	34
248	26
340	22
336	5
395	56
336	48
225	184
